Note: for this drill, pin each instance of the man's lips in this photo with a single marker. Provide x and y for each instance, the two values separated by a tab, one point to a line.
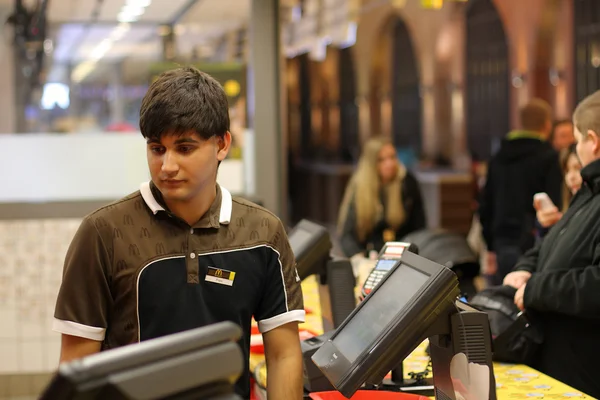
172	181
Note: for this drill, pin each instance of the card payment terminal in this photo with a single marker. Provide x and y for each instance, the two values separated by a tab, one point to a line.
387	258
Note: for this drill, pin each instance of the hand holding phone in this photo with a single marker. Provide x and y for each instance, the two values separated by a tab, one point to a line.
541	201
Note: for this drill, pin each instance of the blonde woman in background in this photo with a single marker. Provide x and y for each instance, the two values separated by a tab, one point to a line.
382	202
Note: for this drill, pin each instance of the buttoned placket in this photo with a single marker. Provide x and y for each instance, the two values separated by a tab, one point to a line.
191	259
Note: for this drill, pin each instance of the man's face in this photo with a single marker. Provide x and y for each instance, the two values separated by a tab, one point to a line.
587	146
181	166
563	136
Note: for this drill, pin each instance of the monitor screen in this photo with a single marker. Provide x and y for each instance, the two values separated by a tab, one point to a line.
311	246
389	324
300	240
360	333
201	362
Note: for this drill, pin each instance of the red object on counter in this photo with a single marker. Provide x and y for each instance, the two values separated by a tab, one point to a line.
367	395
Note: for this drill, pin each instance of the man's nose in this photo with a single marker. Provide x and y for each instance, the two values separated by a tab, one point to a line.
170	164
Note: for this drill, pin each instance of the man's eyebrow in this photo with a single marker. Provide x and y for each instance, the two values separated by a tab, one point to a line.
186	140
149	141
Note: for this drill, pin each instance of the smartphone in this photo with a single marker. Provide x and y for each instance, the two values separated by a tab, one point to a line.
544	200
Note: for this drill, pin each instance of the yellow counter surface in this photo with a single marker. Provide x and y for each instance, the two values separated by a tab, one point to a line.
512	381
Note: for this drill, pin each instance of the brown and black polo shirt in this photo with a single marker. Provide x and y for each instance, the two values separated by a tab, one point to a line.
135	271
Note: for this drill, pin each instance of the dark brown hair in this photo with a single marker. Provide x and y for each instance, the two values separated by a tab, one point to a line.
184	100
535	115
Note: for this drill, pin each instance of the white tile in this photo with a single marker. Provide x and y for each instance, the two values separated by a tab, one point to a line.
8	322
52	355
31	325
9	357
32	356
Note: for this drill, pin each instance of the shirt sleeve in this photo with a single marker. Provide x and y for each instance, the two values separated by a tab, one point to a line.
282	300
84	297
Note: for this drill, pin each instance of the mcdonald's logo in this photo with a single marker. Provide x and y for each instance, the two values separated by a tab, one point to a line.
239	222
121	265
230	234
254	235
145	233
160	249
117	234
133	250
138	205
264	222
219	273
127	220
100	223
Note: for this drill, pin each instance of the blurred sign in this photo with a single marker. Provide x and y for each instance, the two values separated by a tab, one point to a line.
433	4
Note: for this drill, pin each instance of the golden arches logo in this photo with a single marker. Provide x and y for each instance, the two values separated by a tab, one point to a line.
219	273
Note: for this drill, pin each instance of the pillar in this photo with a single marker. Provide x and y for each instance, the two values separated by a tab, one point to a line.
7	80
117	100
265	106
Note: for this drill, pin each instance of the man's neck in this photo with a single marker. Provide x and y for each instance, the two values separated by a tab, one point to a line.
193	210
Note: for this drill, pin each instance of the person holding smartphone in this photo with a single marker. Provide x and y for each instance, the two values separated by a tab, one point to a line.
546	211
558	280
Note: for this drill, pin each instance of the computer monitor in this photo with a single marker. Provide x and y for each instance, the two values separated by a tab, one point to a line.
198	363
311	245
414	301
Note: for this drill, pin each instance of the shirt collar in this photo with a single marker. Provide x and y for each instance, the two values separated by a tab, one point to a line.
218	213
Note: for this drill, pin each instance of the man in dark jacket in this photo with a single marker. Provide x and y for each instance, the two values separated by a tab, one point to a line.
525	165
558	281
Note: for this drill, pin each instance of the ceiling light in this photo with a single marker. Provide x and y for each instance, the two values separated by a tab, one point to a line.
124	17
120	31
138	3
100	50
132	10
82	70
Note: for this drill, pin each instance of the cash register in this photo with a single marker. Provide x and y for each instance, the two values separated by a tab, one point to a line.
201	363
417	299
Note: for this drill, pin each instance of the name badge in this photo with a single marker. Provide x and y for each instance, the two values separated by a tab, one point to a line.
220	276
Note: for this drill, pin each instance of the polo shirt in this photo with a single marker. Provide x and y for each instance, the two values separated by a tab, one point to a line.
135	271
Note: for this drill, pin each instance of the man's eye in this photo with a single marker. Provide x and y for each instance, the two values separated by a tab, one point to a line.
185	149
157	149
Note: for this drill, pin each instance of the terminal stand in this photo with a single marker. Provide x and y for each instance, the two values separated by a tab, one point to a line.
420	384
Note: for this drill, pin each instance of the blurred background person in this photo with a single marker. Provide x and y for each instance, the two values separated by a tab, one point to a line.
571	167
382	201
562	135
526	164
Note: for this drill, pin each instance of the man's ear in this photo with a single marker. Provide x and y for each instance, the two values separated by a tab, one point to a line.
224	143
595	139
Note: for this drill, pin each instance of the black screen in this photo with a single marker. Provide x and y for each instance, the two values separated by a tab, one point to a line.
378	311
299	241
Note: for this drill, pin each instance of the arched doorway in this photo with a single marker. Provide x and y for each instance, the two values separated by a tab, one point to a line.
487	79
406	99
349	147
587	47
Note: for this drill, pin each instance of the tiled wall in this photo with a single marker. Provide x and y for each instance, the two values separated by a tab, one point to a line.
31	258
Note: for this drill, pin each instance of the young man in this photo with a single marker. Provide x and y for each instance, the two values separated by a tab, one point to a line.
558	281
181	253
525	165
